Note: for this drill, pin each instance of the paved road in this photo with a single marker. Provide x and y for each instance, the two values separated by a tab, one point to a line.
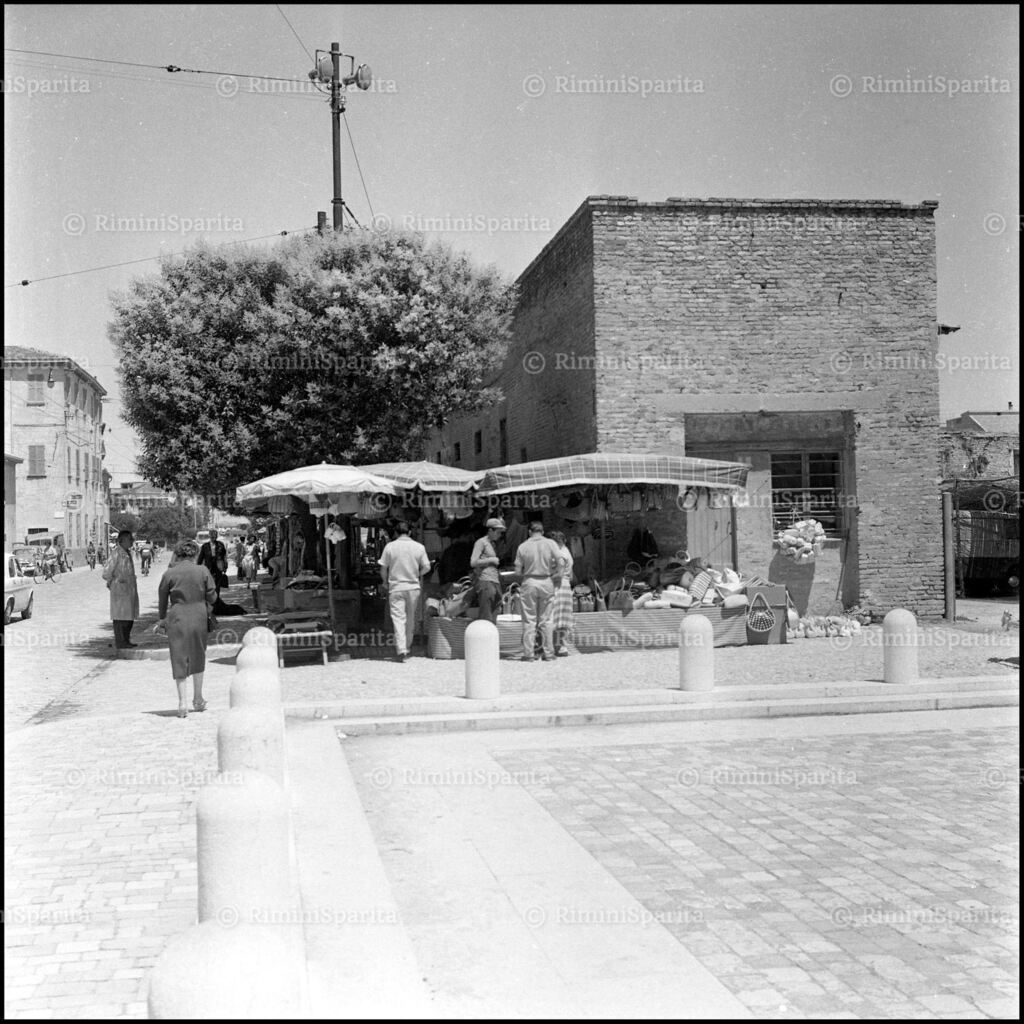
67	642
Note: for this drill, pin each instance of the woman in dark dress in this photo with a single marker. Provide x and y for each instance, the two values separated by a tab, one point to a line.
187	596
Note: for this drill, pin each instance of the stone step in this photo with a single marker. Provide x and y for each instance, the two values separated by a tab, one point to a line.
587	699
525	718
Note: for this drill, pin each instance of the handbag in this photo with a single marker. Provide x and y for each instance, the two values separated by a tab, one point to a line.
598	593
617	596
511	602
582	599
760	617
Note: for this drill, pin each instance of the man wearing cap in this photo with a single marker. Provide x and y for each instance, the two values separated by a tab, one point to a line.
484	562
403	563
540	567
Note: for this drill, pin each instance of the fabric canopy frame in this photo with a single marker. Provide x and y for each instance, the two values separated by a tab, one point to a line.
427	476
601	468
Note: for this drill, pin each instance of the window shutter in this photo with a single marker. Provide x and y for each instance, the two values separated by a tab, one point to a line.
36	460
36	383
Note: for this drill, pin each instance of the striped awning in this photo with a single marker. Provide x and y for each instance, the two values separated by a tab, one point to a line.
427	476
604	468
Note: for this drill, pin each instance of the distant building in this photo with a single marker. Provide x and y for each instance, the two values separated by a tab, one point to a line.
138	497
53	422
982	444
11	462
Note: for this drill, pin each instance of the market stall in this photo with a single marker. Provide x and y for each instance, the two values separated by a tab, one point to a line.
331	494
642	599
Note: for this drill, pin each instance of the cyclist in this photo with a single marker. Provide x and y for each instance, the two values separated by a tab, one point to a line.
145	556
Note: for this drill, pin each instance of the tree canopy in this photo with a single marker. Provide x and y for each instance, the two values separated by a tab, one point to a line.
236	363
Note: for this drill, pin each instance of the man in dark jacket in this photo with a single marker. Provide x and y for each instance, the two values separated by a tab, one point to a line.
214	556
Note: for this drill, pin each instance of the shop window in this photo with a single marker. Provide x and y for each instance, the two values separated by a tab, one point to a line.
458	452
37	460
478	442
807	485
503	442
36	383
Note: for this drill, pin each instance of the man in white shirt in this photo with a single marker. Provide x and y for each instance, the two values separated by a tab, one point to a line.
539	568
403	564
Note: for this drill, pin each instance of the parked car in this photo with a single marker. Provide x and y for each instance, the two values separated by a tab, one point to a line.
17	590
30	560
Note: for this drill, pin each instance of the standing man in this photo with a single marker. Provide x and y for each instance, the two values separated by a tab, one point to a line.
145	557
214	556
403	564
485	562
239	555
124	592
539	568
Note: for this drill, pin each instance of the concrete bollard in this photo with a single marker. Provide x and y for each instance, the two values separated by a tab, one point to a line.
260	636
696	653
260	686
211	972
252	736
899	647
483	677
242	850
256	656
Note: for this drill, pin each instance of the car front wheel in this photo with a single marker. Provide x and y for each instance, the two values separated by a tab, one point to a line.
8	611
27	613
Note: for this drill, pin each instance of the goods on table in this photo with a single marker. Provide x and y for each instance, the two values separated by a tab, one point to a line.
802	541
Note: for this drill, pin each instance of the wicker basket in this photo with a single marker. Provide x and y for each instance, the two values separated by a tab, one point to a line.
446	638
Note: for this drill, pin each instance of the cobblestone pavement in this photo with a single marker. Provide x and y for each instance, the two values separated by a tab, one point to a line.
100	857
869	875
68	640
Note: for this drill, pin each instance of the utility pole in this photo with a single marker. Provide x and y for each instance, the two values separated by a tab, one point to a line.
328	71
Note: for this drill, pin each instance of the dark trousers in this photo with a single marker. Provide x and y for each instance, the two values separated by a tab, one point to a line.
123	632
488	596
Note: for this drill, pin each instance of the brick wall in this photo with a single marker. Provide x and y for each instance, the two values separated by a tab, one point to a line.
739	306
963	454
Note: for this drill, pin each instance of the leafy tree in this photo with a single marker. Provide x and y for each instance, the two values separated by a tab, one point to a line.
349	348
125	521
165	523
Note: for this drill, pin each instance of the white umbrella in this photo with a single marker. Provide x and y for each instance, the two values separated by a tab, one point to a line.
313	484
311	481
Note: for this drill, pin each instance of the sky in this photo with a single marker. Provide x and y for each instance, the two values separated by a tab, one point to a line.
488	126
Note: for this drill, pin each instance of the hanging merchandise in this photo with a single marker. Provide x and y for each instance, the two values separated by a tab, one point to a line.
688	499
620	501
653	499
574	508
802	541
373	506
319	506
345	505
642	546
335	534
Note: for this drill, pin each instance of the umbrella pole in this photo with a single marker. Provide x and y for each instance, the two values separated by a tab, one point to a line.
330	584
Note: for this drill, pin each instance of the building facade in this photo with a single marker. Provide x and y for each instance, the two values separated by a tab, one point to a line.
53	421
799	337
982	444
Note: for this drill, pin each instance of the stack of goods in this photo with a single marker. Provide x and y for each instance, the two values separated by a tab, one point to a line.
824	625
802	541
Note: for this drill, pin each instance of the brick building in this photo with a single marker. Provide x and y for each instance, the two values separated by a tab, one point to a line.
982	444
53	421
798	336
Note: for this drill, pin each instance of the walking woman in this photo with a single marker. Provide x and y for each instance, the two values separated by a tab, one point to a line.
187	596
561	614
